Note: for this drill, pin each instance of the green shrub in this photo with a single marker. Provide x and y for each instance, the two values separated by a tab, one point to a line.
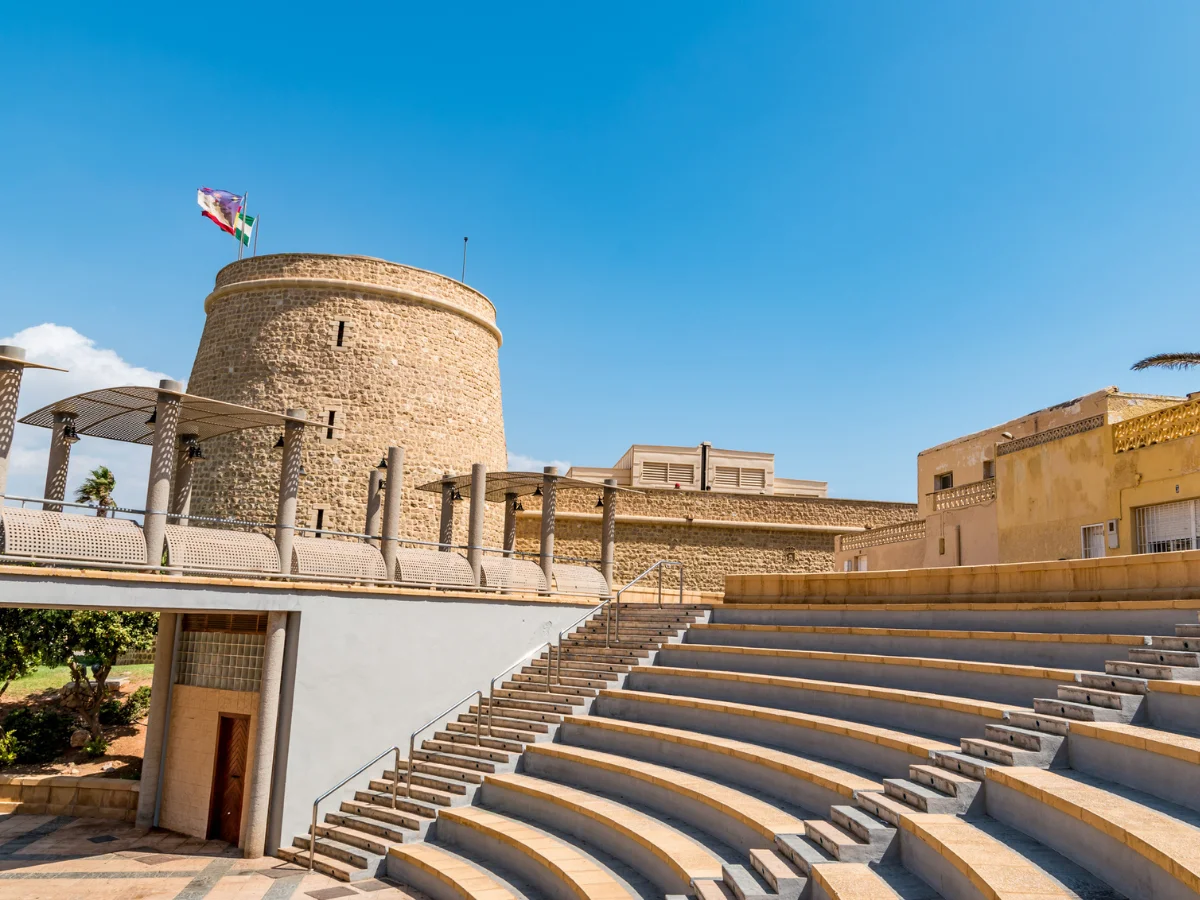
8	748
40	736
114	712
97	746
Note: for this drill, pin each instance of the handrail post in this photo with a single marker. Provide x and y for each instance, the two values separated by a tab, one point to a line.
409	770
660	571
479	718
607	627
549	662
681	584
396	780
617	628
558	670
312	838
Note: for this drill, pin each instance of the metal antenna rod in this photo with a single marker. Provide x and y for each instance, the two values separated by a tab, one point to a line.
464	271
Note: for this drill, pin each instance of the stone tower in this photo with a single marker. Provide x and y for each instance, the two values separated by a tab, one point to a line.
380	354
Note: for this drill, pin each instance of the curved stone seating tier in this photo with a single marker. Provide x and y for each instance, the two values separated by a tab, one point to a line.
54	535
432	567
512	574
579	580
337	559
189	547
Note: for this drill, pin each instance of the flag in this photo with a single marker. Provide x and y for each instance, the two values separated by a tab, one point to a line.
220	206
244	228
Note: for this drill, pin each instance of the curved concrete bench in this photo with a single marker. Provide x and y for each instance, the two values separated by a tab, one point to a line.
1000	682
812	784
1161	763
737	818
962	860
443	875
545	861
939	714
1026	648
668	858
1142	846
849	881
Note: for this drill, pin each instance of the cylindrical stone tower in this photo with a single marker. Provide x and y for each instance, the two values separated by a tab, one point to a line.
381	354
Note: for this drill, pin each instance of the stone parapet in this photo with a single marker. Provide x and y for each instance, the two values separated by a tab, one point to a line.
70	795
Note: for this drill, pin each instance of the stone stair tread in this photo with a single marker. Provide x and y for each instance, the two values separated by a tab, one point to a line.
1176	642
1097	696
772	867
886	807
429	776
467	749
800	851
456	758
355	857
994	750
830	837
419	793
860	823
407	808
519	712
558	689
1153	740
350	837
327	865
858	881
708	889
1039	721
963	763
1152	671
913	788
1166	657
1126	684
1080	712
365	823
467	738
522	726
954	780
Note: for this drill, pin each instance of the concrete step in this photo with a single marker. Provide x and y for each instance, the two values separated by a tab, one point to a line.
567	680
326	865
1047	746
1188	629
467	739
800	851
782	877
1165	657
593	669
745	884
600	655
708	889
840	844
963	763
1179	642
445	778
467	748
572	674
1039	721
355	857
502	726
1126	703
864	826
883	807
549	700
381	793
441	791
919	796
369	824
1080	712
381	801
1121	683
455	757
555	689
1001	754
1155	671
962	788
520	709
352	837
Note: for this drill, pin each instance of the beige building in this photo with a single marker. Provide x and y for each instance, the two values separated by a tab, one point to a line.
1003	494
717	511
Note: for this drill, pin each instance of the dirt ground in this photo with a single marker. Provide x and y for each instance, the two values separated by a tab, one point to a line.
126	742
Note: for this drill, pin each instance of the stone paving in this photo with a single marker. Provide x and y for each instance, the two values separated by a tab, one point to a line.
65	858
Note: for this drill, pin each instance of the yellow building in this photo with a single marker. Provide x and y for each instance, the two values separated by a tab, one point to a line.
1106	474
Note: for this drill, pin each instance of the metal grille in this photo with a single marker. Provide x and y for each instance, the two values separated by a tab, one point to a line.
512	574
340	559
1167	526
221	660
208	548
1091	538
1050	434
54	535
233	623
433	567
887	534
580	580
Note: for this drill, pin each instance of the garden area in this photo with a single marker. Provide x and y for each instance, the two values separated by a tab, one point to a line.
66	706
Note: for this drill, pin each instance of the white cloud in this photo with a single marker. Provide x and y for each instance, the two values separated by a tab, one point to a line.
519	462
90	367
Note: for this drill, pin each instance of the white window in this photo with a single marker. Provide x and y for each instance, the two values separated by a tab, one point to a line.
1167	526
862	564
654	472
1092	540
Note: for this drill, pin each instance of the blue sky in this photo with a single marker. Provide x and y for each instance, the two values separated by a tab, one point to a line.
841	232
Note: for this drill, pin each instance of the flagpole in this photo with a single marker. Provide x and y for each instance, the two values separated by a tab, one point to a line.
255	249
242	213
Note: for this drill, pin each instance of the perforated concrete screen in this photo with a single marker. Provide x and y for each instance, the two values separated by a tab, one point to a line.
512	574
53	535
432	567
337	559
579	580
223	660
230	551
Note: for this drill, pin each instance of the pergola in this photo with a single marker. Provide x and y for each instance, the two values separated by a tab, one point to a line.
12	368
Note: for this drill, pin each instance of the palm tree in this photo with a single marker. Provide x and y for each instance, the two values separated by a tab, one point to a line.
1168	361
98	488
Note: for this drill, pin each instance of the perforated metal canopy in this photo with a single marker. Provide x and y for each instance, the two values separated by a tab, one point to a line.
501	484
120	414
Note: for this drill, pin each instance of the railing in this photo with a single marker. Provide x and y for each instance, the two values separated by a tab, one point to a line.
1051	434
885	534
1170	424
964	495
478	694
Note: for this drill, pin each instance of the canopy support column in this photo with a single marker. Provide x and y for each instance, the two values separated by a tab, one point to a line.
475	522
546	551
162	465
289	491
391	509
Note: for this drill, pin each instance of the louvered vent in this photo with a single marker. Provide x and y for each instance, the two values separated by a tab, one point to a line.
754	479
229	623
681	473
654	472
726	477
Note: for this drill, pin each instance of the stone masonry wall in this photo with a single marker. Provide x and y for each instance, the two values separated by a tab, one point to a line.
707	552
421	377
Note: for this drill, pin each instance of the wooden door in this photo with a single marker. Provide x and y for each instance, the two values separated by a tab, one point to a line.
229	779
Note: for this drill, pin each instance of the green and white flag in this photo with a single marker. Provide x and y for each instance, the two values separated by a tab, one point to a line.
243	228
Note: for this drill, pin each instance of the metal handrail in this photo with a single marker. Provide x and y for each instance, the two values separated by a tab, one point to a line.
312	835
413	737
660	565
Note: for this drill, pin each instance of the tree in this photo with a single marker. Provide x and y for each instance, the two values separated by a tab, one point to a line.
98	488
20	644
93	639
1168	361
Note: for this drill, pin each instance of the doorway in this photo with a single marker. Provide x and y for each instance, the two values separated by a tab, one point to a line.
229	779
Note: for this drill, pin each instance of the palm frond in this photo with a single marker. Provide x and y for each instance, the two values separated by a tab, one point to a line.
1168	361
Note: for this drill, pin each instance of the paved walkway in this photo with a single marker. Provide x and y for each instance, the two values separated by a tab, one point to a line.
64	858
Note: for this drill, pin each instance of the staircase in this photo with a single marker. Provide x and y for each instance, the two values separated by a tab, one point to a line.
710	757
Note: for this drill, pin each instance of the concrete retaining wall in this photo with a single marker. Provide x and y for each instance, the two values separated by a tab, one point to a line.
69	795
